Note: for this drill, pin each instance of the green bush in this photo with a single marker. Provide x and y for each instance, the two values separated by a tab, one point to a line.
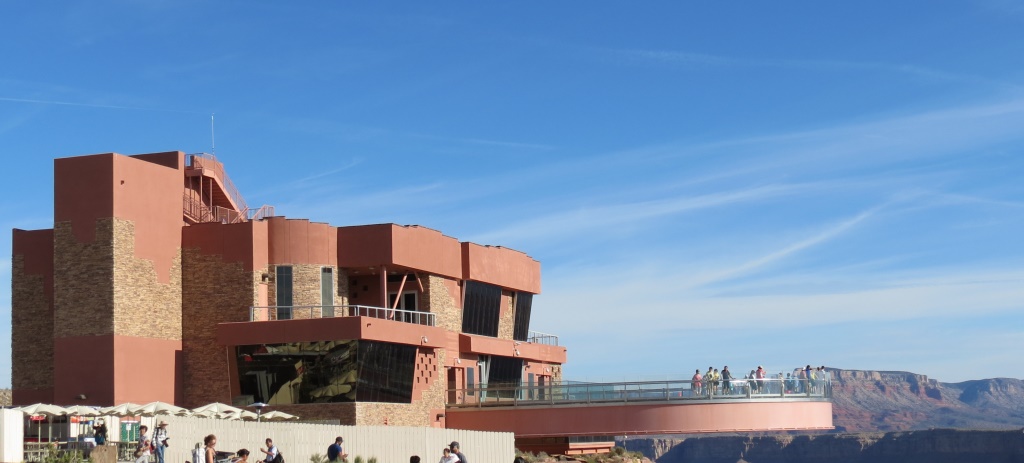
317	458
358	459
371	460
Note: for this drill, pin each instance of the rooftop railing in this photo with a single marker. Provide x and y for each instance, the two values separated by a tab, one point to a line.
295	312
537	337
209	162
644	391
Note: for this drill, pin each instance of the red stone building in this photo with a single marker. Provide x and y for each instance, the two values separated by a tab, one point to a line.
158	282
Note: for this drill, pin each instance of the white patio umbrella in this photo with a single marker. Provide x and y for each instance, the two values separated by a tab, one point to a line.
47	410
278	416
81	410
160	408
120	411
215	409
243	415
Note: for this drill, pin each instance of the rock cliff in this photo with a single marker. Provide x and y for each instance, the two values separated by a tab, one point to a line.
934	446
869	401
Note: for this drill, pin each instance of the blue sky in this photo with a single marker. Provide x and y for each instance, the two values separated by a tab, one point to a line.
705	184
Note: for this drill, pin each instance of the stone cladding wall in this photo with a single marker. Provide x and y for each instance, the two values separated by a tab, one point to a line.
101	288
32	329
143	307
306	288
83	281
214	292
441	301
507	320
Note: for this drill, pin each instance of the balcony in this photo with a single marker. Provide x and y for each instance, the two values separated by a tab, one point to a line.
536	337
298	312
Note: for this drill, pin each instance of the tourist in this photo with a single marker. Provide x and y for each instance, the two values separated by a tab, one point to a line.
760	374
716	378
448	457
455	449
335	452
160	437
211	452
414	459
270	451
726	380
751	383
142	452
808	378
242	456
709	381
100	432
696	383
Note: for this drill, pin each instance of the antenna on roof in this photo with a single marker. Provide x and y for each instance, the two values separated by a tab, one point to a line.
213	138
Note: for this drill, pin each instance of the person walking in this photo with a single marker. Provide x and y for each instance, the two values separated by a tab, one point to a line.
142	451
211	451
335	453
271	451
160	437
454	447
448	457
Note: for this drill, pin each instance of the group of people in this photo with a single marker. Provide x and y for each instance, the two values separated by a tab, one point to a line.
713	382
450	454
157	444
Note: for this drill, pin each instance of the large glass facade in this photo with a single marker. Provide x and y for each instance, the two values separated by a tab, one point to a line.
482	309
524	304
327	371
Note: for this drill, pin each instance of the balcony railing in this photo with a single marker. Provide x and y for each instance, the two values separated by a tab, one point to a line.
294	312
645	391
537	337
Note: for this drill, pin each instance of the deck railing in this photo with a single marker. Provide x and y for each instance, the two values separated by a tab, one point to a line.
293	312
643	391
537	337
209	162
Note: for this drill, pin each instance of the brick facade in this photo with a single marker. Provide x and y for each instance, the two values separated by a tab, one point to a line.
32	330
440	298
214	292
143	307
306	288
83	281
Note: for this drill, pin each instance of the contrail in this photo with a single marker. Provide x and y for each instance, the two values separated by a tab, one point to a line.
89	105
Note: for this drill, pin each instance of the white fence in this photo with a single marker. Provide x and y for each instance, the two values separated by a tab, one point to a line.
299	441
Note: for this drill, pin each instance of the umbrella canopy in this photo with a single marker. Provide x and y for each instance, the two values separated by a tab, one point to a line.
81	410
214	410
243	415
122	410
278	416
160	408
43	409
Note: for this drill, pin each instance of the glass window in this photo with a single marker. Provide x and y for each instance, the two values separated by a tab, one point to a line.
482	309
283	280
327	371
521	329
470	381
327	291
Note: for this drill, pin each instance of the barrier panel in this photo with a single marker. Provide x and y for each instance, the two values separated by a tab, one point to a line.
299	441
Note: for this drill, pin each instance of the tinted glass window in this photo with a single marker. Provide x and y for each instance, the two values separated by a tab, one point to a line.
524	303
482	309
283	281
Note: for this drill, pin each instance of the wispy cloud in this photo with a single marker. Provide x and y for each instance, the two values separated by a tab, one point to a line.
95	105
582	219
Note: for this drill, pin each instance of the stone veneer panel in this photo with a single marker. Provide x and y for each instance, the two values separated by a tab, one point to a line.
506	323
32	330
440	301
344	412
214	292
83	281
143	307
306	288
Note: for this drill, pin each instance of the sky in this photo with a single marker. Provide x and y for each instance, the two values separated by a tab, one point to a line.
704	183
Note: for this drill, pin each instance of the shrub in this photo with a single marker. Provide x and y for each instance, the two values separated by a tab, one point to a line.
371	460
358	459
317	458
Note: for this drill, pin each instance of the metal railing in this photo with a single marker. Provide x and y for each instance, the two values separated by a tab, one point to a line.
293	312
641	391
196	210
209	162
537	337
